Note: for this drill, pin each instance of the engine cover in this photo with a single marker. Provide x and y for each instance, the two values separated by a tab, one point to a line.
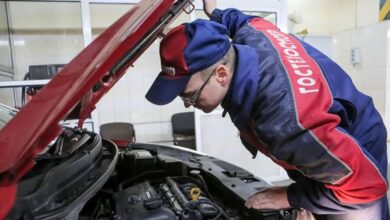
141	202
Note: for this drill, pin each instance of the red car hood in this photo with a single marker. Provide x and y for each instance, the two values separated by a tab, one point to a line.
86	78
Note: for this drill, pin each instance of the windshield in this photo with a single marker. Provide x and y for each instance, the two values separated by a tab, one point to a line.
6	114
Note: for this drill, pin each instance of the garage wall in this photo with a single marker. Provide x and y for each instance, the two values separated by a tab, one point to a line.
126	101
51	33
370	74
324	17
45	39
6	67
353	24
53	37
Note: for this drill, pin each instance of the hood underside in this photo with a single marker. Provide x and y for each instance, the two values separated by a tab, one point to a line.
85	79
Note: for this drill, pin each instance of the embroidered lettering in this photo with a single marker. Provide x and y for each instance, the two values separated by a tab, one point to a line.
306	83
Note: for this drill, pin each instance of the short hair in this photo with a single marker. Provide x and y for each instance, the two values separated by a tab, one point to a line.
229	60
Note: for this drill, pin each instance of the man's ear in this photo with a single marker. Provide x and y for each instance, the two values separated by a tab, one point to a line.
222	74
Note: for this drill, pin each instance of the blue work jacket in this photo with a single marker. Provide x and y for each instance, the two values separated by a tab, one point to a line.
298	107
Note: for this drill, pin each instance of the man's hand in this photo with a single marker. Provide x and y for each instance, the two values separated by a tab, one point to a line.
270	198
209	6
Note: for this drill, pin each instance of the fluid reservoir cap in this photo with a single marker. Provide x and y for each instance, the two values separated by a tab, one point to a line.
195	172
153	203
195	193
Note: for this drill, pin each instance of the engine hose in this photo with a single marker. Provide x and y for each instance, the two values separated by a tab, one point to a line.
172	199
185	203
191	205
206	189
177	192
217	217
221	212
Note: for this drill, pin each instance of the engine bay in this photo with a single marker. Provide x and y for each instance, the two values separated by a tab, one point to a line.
159	182
168	199
84	177
162	190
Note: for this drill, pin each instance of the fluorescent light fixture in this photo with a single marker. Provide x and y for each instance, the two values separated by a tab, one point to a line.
20	43
4	43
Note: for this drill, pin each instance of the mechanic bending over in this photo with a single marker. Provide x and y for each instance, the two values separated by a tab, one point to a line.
290	102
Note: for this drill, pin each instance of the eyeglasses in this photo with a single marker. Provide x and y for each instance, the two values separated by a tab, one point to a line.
192	99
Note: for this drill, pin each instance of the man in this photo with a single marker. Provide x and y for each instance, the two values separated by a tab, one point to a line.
288	101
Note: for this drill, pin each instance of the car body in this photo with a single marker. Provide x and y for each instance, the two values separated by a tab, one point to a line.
79	175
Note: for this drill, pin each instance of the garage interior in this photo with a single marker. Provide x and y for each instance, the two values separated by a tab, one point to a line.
38	38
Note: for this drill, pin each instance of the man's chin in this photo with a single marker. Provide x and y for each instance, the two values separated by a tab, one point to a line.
207	110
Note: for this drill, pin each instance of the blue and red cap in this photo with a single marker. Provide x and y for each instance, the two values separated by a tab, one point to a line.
185	50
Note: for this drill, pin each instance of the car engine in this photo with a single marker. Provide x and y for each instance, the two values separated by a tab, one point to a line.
169	200
82	176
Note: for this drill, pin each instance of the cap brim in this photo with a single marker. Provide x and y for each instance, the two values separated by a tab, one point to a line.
164	90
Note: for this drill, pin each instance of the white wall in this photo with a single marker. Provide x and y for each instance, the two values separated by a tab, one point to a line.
38	15
63	40
320	17
325	17
387	105
219	138
126	101
370	75
353	24
51	33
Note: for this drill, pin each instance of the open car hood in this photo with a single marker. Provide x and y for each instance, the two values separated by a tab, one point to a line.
85	79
